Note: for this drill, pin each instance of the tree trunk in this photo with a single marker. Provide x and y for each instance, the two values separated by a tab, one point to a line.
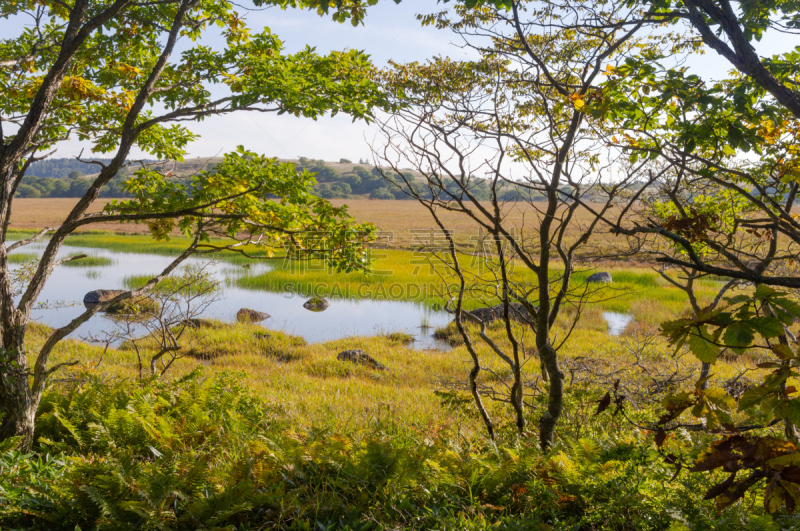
18	402
555	402
705	369
18	406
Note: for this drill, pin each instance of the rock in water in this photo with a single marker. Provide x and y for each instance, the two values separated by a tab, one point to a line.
316	304
600	277
100	295
246	315
360	357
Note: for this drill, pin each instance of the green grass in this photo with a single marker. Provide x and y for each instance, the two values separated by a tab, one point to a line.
205	451
21	258
145	244
402	275
333	442
400	337
90	261
325	406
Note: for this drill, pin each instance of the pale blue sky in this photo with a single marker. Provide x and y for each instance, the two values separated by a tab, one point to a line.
390	32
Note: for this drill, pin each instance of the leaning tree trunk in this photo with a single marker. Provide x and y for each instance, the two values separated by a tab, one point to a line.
18	402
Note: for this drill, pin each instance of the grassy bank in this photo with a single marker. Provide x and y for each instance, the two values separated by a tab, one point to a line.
257	429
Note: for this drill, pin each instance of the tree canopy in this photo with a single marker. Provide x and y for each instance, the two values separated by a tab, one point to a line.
112	74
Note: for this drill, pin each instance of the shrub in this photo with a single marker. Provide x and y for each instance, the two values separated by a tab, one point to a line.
206	453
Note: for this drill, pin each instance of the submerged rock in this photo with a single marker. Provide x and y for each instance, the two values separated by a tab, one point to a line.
316	304
100	295
361	358
246	315
602	276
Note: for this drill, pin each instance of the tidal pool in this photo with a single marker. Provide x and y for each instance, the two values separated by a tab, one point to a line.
344	318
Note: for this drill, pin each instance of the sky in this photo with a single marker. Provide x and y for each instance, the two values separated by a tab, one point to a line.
390	32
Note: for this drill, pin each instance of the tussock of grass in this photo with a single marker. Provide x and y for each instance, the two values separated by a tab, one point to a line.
21	258
139	306
449	334
400	337
90	261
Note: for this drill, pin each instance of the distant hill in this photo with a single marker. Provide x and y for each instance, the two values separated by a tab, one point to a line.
343	179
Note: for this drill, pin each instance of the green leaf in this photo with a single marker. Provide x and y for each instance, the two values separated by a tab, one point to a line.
783	460
783	352
701	346
762	292
787	304
753	397
738	335
766	326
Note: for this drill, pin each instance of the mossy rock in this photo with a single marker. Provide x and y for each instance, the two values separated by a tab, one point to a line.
316	304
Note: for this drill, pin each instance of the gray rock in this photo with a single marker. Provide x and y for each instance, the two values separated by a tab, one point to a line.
492	313
600	277
316	304
100	295
246	315
359	357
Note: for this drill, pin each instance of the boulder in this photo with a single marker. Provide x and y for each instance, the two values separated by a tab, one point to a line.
361	358
602	276
492	313
316	304
246	315
100	295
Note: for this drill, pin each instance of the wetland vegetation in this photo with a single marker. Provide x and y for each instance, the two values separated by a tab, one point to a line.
583	315
410	425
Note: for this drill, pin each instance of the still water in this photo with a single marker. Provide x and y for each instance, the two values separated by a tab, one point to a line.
617	322
344	317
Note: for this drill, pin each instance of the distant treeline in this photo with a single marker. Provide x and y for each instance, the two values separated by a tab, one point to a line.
361	181
61	168
66	178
